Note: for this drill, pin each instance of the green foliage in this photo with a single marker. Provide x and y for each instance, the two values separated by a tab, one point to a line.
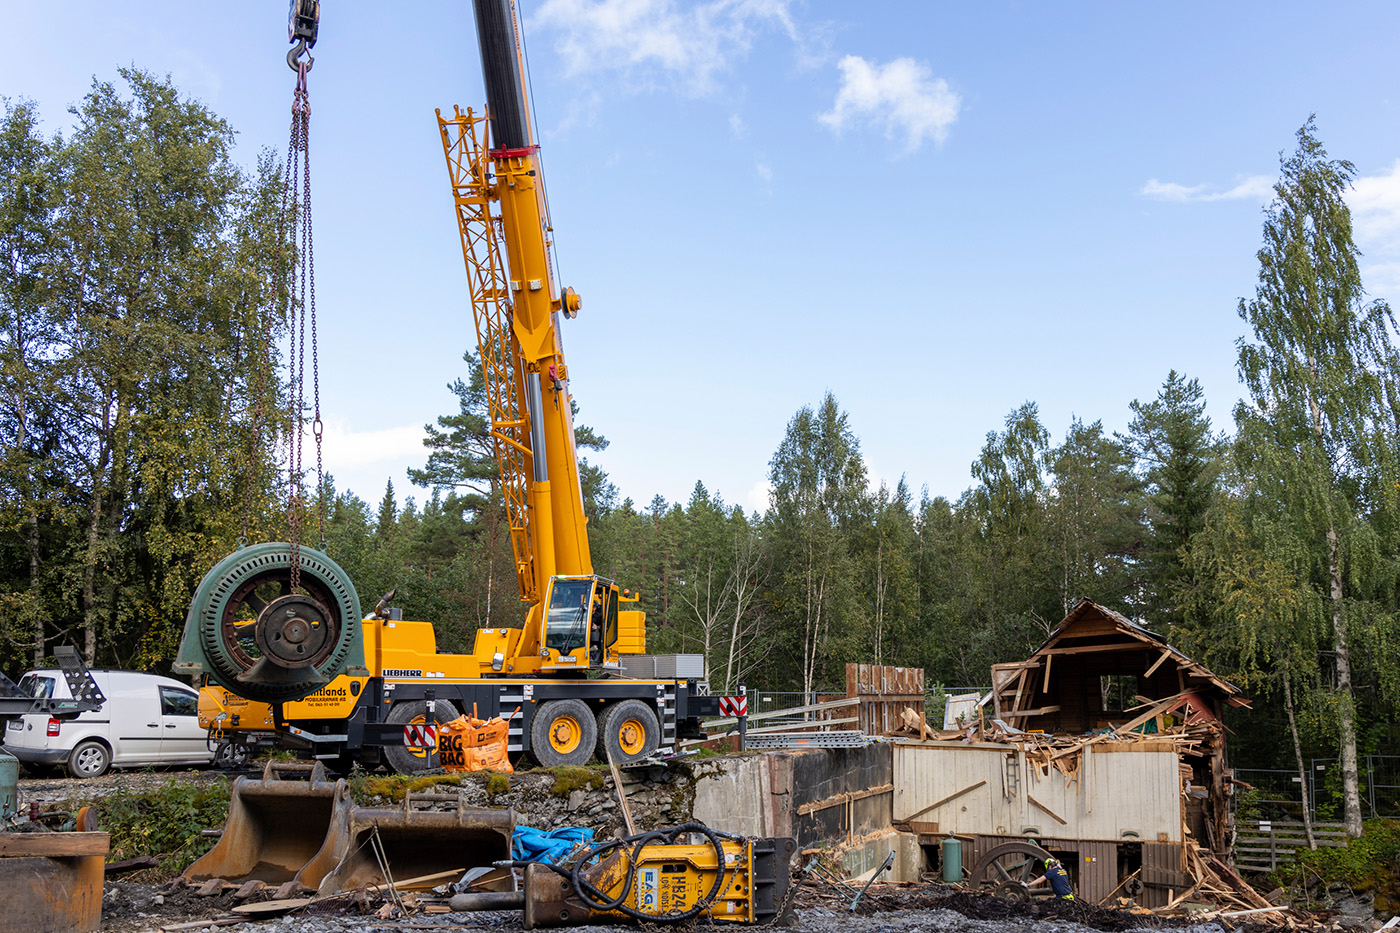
135	348
1181	459
497	784
164	822
1369	863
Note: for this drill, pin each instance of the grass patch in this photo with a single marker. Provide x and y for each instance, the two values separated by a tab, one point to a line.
497	784
365	787
569	778
164	822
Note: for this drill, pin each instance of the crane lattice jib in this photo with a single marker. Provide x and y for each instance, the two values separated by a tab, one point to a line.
465	145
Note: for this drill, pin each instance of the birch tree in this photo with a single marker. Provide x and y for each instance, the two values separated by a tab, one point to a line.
1319	430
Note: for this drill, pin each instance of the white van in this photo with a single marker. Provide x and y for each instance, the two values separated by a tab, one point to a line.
144	720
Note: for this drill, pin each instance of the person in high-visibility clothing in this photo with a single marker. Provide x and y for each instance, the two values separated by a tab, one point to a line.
1058	879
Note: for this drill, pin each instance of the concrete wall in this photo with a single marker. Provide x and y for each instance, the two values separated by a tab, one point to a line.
840	798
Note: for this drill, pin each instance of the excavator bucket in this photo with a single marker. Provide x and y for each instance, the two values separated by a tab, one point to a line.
412	841
276	824
294	824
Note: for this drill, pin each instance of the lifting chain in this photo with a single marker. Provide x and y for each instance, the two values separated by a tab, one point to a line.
297	236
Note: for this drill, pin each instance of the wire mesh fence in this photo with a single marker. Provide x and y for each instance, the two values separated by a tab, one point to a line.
1278	794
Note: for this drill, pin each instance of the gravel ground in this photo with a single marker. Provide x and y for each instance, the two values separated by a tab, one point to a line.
58	787
128	908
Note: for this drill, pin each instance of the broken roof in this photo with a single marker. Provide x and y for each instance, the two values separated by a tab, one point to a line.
1115	630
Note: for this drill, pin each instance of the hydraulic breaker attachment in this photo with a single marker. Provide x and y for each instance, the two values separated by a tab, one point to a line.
412	841
722	879
276	824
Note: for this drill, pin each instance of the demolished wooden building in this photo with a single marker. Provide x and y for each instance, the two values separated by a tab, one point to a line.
1105	746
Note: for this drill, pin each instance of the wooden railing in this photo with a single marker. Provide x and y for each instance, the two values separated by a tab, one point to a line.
1263	845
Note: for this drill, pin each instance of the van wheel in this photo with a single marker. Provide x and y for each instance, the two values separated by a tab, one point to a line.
89	759
563	732
628	732
402	759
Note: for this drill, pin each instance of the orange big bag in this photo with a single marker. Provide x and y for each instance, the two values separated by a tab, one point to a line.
470	744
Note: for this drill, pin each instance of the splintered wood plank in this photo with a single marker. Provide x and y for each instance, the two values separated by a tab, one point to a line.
1166	653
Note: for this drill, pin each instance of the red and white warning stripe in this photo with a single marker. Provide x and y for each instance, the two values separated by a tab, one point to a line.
420	736
734	706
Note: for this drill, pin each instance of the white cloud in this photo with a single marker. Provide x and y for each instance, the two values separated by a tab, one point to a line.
362	460
1375	209
765	171
736	126
647	40
1255	188
759	494
901	97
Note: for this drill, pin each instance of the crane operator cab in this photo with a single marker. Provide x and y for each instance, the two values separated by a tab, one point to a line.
581	627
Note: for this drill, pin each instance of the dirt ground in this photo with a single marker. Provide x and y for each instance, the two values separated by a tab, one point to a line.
58	786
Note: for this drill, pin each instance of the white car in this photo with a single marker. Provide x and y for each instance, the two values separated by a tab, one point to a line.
145	719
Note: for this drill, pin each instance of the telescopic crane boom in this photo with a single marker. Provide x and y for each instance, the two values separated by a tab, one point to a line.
573	620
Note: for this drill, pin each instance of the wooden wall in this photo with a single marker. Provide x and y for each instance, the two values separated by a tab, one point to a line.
988	789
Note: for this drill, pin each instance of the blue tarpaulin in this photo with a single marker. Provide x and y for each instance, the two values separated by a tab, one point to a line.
535	845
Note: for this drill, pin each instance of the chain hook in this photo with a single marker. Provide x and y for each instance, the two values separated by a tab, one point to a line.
294	55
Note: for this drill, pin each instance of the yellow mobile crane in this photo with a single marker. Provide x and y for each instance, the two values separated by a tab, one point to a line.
277	627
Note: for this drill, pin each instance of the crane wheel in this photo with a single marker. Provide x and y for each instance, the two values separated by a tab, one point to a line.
257	637
563	732
627	732
402	759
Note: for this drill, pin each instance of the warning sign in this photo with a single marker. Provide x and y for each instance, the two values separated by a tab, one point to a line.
420	736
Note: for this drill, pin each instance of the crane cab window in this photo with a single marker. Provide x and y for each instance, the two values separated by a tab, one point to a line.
570	602
610	624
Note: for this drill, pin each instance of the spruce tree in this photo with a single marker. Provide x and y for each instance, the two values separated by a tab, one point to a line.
1179	459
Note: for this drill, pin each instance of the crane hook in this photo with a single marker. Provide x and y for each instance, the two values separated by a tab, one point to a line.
294	57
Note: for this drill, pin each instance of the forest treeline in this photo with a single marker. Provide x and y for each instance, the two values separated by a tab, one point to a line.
144	305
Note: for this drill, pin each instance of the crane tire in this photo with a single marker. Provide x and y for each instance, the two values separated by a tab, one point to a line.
628	731
404	760
563	732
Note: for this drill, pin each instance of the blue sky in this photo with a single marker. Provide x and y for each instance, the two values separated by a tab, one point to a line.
934	210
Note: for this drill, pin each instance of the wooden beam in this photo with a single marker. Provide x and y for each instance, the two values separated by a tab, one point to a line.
1091	649
1166	653
1042	807
50	845
839	799
1045	688
1014	714
951	797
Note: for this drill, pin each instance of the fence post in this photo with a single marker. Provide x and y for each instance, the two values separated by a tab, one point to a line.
1371	783
1273	850
744	720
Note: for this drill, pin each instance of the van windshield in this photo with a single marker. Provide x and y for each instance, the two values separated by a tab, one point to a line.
40	688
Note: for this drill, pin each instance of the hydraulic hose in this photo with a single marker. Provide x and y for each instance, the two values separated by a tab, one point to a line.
597	900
